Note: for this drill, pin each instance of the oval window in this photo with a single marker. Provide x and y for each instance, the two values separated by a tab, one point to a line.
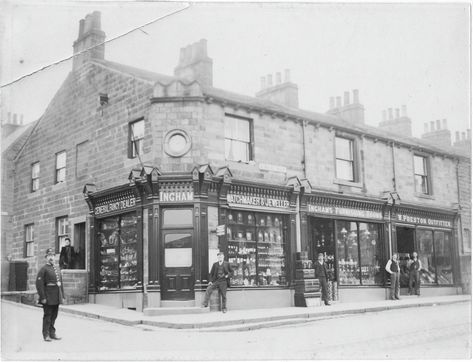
177	143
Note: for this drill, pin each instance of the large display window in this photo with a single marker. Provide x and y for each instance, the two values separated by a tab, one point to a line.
256	248
118	263
435	256
359	252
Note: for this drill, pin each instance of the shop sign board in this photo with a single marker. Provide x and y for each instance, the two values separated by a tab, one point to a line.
423	221
345	211
258	201
115	206
176	196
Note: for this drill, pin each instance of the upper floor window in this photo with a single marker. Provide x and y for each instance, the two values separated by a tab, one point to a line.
238	139
29	240
136	137
421	175
60	166
345	158
62	232
34	176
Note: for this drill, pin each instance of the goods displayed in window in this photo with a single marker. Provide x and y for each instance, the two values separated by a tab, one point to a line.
117	239
256	249
360	253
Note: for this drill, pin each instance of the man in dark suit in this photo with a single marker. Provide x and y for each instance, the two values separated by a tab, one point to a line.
322	275
51	294
219	279
67	256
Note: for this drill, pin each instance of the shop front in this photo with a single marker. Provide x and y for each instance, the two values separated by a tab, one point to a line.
155	239
431	234
260	243
350	233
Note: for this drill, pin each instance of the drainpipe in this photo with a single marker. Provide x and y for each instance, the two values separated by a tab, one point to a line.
304	171
460	232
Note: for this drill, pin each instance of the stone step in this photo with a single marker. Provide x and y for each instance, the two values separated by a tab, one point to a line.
174	310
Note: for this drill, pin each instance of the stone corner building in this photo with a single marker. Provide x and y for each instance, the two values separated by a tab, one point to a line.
150	175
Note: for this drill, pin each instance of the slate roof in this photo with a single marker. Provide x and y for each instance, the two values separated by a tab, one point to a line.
268	106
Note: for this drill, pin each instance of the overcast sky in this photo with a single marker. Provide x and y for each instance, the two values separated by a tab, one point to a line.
395	54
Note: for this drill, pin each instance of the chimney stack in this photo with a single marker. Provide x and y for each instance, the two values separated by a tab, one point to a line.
438	135
332	103
195	64
285	93
90	42
398	122
352	112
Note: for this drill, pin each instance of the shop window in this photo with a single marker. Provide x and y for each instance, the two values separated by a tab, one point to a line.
82	159
371	254
345	159
443	259
256	249
347	250
118	262
29	240
421	175
238	140
426	256
136	137
62	232
60	167
360	253
34	176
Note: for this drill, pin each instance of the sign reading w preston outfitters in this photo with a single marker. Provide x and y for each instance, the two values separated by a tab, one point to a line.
257	201
344	211
424	221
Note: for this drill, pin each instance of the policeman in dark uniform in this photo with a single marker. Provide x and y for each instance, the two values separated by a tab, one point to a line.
51	294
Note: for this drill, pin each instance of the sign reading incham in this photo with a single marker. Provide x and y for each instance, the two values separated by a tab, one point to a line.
115	206
257	201
423	221
344	211
176	196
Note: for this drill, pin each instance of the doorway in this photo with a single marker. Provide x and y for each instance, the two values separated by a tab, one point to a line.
176	251
405	242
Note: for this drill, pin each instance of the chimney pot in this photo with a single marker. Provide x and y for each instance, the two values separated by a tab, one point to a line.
397	113
390	113
463	136
21	119
356	98
9	117
278	78
263	83
444	121
457	136
14	118
339	101
270	80
81	27
346	98
432	126
468	134
403	111
384	115
332	103
438	124
287	75
426	127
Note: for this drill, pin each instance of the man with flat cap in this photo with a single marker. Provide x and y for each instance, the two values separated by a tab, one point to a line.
51	294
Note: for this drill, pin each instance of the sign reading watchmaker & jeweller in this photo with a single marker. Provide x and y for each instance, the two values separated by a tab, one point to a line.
258	201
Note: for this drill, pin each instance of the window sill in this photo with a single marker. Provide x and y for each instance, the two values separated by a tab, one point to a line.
348	183
59	185
424	196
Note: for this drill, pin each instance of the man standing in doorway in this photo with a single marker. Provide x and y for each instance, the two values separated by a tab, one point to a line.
414	275
51	294
321	274
392	267
219	279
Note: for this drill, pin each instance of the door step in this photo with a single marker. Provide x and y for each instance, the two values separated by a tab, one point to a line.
177	303
174	310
